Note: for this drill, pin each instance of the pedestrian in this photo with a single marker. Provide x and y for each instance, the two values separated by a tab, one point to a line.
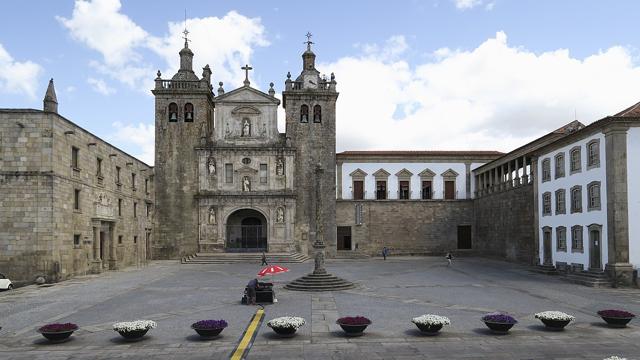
384	253
264	259
251	291
449	258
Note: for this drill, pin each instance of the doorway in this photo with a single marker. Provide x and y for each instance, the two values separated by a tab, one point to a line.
595	247
546	245
246	231
344	238
464	237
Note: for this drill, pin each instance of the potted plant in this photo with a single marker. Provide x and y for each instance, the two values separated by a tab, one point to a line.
209	328
286	326
134	330
616	318
57	332
499	323
555	320
430	324
353	325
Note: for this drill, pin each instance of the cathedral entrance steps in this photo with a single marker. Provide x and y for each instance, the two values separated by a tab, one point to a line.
350	254
589	278
232	258
319	282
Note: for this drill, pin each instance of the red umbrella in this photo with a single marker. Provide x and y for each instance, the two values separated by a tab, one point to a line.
272	270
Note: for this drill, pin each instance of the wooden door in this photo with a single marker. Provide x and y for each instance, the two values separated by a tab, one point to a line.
464	237
547	248
358	190
449	190
595	253
426	190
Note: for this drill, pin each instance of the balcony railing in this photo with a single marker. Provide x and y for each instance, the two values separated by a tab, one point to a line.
182	85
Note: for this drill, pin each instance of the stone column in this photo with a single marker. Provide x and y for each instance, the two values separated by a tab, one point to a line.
468	179
96	241
517	170
112	249
525	177
617	267
536	220
339	179
510	176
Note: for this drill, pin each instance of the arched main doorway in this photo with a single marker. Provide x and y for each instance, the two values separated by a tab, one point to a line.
246	231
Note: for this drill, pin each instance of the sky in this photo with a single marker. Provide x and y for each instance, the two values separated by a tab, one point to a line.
412	75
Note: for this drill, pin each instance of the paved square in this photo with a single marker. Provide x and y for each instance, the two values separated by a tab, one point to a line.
390	293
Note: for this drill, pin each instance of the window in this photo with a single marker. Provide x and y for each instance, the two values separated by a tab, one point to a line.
593	154
188	112
304	114
263	173
246	161
546	170
449	189
317	114
135	209
146	186
76	240
561	202
381	190
593	190
561	238
559	165
99	167
576	239
135	239
76	199
426	190
228	173
133	181
358	189
173	112
575	160
576	199
119	239
118	175
119	207
75	153
546	204
404	190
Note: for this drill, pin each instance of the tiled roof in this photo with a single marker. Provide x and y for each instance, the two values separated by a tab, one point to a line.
632	111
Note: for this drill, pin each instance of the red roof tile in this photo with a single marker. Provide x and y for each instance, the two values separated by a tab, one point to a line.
632	111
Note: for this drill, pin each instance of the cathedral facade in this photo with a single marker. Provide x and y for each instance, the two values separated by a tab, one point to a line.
227	180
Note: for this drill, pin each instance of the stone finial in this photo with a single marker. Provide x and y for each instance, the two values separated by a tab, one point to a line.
288	75
288	82
220	89
333	77
158	75
272	92
50	102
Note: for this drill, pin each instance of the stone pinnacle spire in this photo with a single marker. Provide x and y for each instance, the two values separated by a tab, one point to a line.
50	100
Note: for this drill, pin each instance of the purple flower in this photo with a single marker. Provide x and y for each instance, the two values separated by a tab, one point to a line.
499	318
616	314
210	324
354	320
57	327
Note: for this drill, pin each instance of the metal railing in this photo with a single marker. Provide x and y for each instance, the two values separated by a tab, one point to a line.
246	238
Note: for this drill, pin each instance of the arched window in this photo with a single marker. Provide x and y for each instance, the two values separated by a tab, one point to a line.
317	114
188	112
304	114
173	112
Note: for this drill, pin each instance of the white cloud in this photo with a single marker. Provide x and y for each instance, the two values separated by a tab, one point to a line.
226	43
467	4
100	86
138	135
495	96
18	77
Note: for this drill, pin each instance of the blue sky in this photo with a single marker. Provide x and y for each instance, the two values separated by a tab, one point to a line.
433	74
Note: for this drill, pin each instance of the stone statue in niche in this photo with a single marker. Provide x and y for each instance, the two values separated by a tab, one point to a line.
203	131
279	215
211	166
264	130
280	167
212	216
246	128
246	184
227	131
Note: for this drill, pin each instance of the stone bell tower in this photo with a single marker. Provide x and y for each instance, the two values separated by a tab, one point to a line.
184	121
310	106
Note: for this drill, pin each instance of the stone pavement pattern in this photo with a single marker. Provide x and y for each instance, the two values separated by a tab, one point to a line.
390	293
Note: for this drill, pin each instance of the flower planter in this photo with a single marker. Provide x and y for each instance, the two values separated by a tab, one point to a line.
134	335
500	328
353	330
555	324
208	333
430	324
58	332
134	330
285	331
431	329
286	326
617	322
209	328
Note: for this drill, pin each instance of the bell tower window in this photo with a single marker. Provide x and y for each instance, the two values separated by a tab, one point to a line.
317	114
304	114
173	112
188	112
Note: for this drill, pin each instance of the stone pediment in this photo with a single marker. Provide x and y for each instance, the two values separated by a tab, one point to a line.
245	110
245	169
381	173
427	173
358	173
246	94
449	174
404	173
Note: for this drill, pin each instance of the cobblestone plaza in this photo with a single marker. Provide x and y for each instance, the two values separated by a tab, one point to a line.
388	292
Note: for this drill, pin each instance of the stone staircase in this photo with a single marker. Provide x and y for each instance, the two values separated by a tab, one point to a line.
233	258
319	282
589	278
545	269
350	254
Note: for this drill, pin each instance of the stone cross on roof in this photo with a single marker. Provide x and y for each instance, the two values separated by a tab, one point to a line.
246	69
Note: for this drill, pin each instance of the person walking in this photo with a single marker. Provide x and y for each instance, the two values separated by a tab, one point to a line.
264	259
449	258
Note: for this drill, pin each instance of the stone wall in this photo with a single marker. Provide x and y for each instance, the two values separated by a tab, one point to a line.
406	227
504	223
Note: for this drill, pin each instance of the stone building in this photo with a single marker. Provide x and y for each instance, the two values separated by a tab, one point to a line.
70	203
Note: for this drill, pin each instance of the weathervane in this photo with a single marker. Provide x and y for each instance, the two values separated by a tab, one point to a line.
185	32
308	42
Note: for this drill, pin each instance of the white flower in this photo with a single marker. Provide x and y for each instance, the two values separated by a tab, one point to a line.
615	358
137	325
430	319
286	322
554	315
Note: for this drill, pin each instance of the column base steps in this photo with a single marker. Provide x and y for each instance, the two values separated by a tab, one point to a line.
589	278
233	258
319	282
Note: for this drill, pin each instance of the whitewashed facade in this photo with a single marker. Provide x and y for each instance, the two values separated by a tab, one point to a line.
633	183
